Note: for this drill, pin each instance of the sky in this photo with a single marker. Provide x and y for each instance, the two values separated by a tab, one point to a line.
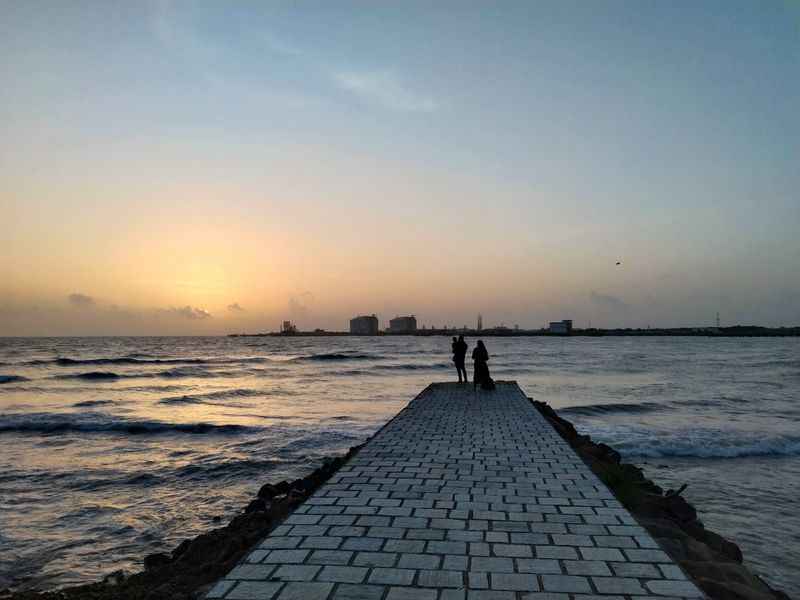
216	167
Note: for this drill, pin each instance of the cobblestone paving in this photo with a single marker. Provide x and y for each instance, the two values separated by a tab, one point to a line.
462	496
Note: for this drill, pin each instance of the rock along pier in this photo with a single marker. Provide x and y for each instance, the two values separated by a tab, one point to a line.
462	496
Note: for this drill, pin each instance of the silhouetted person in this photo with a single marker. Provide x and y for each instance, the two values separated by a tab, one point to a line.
480	372
459	356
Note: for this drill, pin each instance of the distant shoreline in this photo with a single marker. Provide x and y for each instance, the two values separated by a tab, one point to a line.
734	331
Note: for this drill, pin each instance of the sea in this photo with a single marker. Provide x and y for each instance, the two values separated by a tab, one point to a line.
114	448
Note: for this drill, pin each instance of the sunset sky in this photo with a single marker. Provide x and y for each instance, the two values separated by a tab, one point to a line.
199	167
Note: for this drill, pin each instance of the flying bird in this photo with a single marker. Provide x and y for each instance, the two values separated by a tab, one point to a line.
619	262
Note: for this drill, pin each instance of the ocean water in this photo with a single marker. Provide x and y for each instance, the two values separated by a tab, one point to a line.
113	448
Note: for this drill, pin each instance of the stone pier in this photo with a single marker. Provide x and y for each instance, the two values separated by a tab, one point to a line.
462	496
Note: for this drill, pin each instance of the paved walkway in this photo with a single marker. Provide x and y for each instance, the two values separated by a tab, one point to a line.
461	496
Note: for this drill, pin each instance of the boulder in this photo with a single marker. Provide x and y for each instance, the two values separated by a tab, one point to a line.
156	561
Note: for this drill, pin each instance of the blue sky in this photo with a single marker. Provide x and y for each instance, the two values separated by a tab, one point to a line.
390	158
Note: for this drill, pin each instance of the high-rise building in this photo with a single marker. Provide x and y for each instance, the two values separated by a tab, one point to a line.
480	322
403	324
364	325
561	327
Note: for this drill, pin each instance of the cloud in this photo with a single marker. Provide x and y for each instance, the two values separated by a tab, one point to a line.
608	302
235	307
80	300
188	312
384	88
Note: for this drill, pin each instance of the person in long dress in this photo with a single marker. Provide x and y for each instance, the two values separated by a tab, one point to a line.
480	372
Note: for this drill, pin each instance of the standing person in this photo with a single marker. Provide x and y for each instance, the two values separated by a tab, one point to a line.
480	372
459	356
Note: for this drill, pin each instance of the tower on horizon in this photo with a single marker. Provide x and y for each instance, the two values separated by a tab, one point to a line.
480	322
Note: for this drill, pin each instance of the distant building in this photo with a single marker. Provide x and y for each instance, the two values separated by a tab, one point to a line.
403	324
561	327
364	325
480	323
288	327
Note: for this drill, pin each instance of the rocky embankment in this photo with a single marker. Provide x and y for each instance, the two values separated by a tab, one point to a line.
713	562
195	565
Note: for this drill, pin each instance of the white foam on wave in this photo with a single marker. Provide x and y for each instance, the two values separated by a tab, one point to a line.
697	443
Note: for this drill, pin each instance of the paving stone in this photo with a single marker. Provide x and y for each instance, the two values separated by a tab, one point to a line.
492	563
219	589
295	572
601	554
513	550
375	559
437	547
367	544
629	569
419	561
669	572
587	567
391	576
655	556
305	591
566	583
564	552
359	592
248	571
254	590
440	579
404	593
453	562
514	581
490	595
342	574
287	556
538	565
280	542
618	585
673	588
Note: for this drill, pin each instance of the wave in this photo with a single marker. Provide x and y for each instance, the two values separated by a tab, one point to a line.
712	449
12	378
191	372
611	408
339	356
413	366
695	443
134	360
52	423
205	398
91	376
88	403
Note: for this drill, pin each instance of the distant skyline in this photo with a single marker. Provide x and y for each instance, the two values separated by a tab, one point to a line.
202	168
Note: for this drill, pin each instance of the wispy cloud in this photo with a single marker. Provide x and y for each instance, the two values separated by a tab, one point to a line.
384	88
209	57
235	307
